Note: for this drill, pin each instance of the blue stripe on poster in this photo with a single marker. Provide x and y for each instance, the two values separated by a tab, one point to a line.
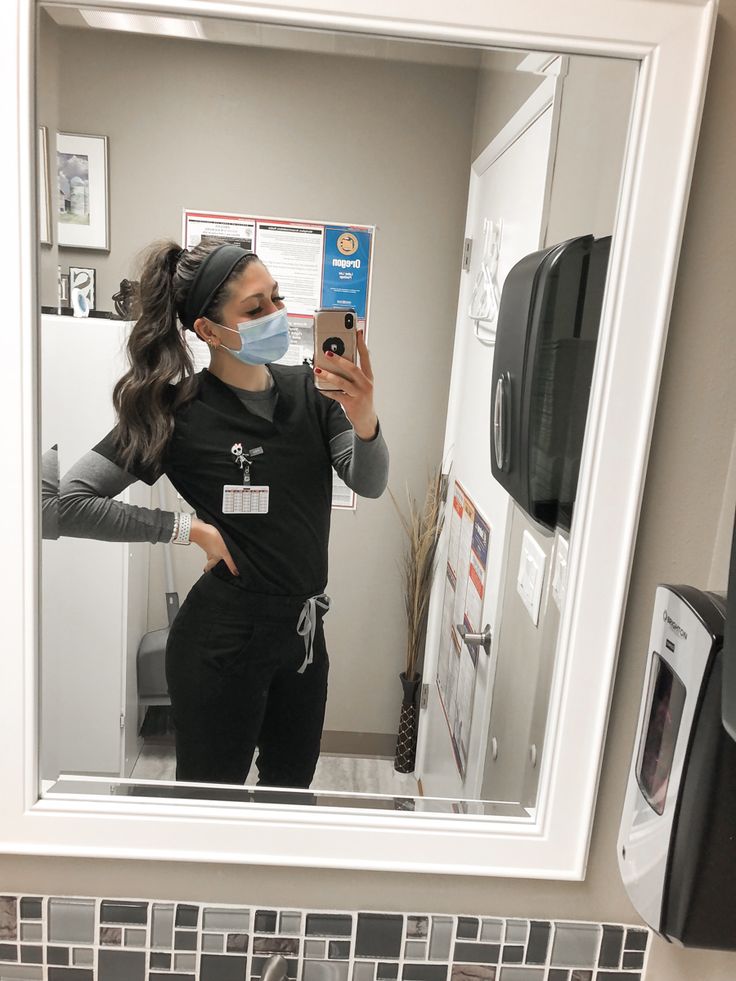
347	259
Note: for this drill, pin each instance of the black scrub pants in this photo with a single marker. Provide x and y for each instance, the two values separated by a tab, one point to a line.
232	663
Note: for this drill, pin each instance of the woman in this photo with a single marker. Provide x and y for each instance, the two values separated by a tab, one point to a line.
250	445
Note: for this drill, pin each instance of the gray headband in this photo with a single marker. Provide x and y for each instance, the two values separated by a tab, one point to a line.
212	273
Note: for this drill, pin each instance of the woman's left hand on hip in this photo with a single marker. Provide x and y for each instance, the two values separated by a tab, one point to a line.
356	383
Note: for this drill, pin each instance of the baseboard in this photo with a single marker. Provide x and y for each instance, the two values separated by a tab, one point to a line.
380	744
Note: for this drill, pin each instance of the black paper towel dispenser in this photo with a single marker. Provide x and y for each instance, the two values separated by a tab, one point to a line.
545	347
677	842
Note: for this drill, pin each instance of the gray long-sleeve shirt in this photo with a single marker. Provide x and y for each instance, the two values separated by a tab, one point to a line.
50	493
87	489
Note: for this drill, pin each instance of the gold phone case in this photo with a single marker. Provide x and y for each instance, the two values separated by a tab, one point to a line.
331	331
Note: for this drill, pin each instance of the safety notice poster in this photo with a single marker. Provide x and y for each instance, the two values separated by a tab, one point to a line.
316	264
464	592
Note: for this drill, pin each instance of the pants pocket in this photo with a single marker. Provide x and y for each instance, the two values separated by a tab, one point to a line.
228	645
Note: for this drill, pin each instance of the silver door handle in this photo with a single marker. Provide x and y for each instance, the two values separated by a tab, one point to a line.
499	421
483	640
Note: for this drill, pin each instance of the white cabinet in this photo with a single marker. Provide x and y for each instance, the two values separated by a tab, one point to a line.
94	595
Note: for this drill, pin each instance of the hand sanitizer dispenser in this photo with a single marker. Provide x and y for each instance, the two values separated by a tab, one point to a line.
677	842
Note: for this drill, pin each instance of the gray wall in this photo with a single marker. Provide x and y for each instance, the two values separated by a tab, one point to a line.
224	127
678	536
500	95
589	157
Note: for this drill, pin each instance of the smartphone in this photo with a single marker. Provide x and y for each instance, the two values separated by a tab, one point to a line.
334	330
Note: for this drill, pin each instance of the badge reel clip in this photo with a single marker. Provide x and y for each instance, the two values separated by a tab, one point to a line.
244	460
245	498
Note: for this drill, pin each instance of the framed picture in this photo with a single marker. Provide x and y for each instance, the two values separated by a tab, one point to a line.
64	295
82	280
82	196
44	191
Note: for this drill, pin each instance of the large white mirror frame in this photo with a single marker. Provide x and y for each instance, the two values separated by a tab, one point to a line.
672	41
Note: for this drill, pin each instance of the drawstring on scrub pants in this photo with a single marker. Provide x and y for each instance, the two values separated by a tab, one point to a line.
307	625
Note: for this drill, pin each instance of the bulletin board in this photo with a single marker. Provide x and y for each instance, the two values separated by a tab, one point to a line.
465	583
316	263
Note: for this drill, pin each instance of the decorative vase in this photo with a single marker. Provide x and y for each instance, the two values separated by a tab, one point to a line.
406	742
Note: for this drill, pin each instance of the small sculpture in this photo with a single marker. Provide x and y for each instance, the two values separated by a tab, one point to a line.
126	299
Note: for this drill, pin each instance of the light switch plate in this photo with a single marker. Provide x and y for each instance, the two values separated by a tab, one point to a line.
559	576
530	578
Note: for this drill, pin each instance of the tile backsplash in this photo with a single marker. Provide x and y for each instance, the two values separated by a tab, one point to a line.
58	938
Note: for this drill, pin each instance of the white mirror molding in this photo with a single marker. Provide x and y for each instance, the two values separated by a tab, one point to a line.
672	41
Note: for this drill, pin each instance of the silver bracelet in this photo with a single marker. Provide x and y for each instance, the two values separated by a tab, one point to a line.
182	531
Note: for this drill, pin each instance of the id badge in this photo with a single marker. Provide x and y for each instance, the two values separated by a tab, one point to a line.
245	499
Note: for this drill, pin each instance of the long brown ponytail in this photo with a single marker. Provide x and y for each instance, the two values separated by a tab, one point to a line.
144	398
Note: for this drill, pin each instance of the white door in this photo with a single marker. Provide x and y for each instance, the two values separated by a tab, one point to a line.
509	184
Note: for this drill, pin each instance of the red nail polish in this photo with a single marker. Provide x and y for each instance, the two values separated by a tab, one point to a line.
318	371
329	354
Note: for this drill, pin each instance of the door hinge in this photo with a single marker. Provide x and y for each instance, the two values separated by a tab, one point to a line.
467	250
122	720
424	701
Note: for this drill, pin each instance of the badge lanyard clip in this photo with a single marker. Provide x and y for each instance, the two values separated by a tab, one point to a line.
244	460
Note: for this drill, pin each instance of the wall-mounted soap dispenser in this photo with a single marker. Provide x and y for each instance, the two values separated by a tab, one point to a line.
677	842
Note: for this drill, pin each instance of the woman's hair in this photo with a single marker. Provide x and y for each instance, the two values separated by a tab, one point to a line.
144	398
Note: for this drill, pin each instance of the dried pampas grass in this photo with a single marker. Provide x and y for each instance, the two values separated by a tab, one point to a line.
423	529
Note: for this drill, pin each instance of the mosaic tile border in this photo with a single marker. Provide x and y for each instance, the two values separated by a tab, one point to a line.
73	938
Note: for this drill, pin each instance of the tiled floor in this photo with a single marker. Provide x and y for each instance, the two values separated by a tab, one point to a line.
352	774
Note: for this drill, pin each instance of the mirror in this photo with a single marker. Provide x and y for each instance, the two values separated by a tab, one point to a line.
671	46
202	131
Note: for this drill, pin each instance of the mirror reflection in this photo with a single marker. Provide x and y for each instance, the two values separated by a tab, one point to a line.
319	316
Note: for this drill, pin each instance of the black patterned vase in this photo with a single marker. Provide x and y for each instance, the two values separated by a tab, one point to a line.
406	742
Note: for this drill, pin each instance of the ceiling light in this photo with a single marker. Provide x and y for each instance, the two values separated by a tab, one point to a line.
143	23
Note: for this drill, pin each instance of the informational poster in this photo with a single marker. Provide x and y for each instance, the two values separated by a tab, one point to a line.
293	252
346	267
446	631
217	229
342	495
301	341
316	264
465	578
453	550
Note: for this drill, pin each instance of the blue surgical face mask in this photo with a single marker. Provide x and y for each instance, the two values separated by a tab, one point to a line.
263	340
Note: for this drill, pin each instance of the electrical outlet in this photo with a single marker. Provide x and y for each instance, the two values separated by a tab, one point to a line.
530	578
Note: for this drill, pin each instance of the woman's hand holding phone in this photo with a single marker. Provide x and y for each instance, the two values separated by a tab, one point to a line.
356	384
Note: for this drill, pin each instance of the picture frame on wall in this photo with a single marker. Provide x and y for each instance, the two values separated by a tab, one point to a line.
82	191
82	280
44	189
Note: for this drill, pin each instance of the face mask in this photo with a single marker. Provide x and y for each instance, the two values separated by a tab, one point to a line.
263	340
